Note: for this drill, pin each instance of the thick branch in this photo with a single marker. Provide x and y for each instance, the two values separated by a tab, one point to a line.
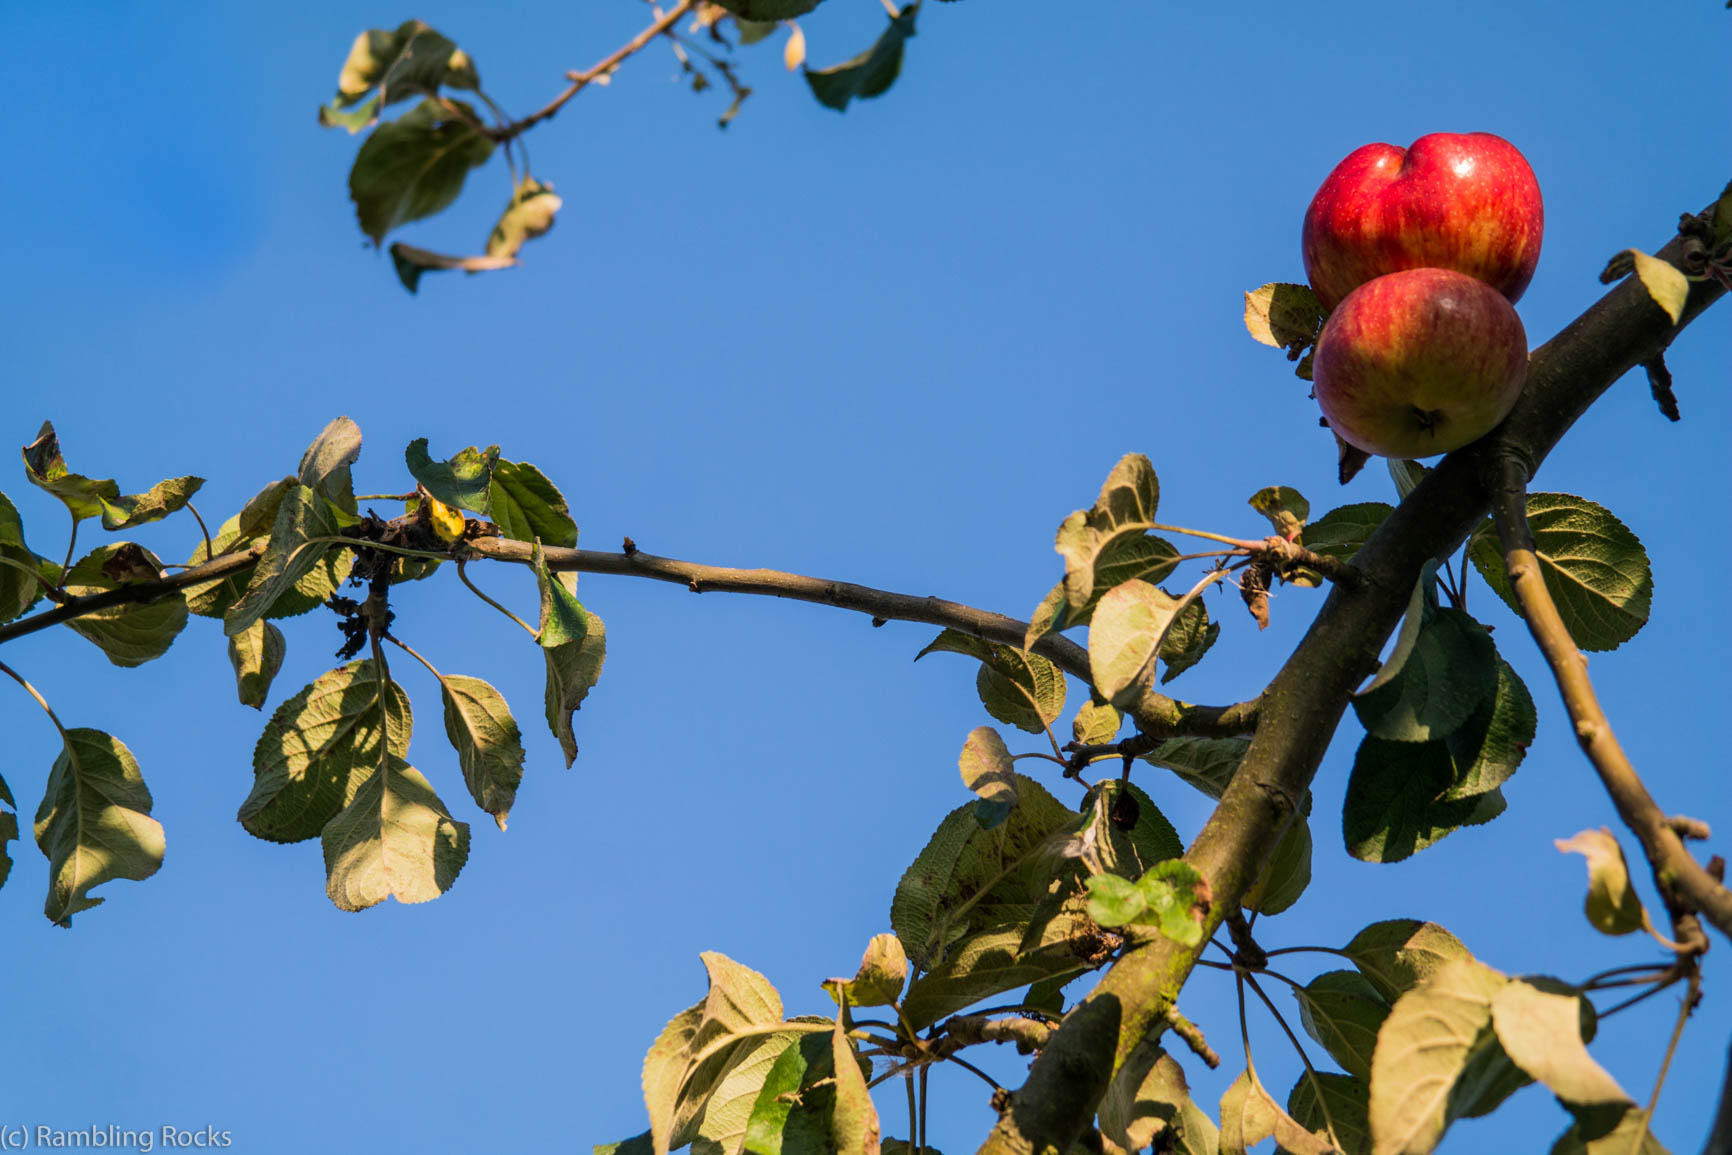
1300	709
1683	883
602	68
1155	713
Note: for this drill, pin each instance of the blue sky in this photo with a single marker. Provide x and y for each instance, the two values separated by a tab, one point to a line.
895	346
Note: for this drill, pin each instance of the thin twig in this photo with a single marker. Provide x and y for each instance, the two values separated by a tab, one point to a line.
603	67
1683	883
476	590
209	550
1691	994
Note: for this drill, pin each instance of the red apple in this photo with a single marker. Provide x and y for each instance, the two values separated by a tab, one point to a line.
1463	201
1419	362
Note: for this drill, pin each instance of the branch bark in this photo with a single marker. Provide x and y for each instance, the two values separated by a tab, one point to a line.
1684	885
1300	709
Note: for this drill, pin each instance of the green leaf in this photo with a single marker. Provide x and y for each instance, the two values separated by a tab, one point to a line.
1595	569
1630	1137
318	749
1129	626
1189	637
636	1145
462	482
1452	668
700	1045
18	589
966	873
8	831
47	470
1423	1049
988	771
526	506
94	823
1018	688
869	74
1287	874
1125	508
413	167
1205	763
528	215
385	66
1142	557
256	654
1149	1099
1343	1011
1175	893
394	839
1489	746
1612	906
325	464
1283	316
1343	531
1286	509
1347	1099
1398	954
853	1120
728	1109
1001	958
158	502
572	671
1115	901
1112	845
304	519
1096	723
883	971
1541	1032
1249	1115
792	1113
564	621
1396	804
488	744
130	634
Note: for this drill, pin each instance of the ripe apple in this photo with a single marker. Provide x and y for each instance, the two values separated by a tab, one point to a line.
1463	201
1419	362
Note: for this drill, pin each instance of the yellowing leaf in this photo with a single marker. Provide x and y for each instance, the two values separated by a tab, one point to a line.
1423	1048
794	51
1665	284
1612	905
883	970
447	522
1283	315
1542	1034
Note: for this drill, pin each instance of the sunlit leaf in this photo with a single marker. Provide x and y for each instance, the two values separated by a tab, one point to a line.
1286	509
1423	1048
573	669
564	621
256	654
529	215
463	481
1283	316
1149	1099
46	469
1128	628
525	506
388	65
988	771
883	971
395	839
1451	669
156	503
129	634
1125	508
1541	1032
325	464
299	538
1612	905
1399	953
488	744
1249	1115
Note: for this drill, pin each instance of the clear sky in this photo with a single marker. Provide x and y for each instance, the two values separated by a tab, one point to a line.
895	346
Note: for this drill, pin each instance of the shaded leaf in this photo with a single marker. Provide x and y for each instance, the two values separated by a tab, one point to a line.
156	503
1096	723
573	669
413	167
388	65
1400	953
1016	687
129	634
1342	1010
1287	874
94	823
214	599
317	750
528	215
1594	568
1344	530
1149	1098
1249	1115
883	970
1347	1100
869	74
1395	804
564	621
488	744
256	654
1629	1137
1283	316
1139	557
1001	958
792	1113
1189	637
1451	669
1612	905
728	1107
395	839
988	771
46	469
1205	763
853	1120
